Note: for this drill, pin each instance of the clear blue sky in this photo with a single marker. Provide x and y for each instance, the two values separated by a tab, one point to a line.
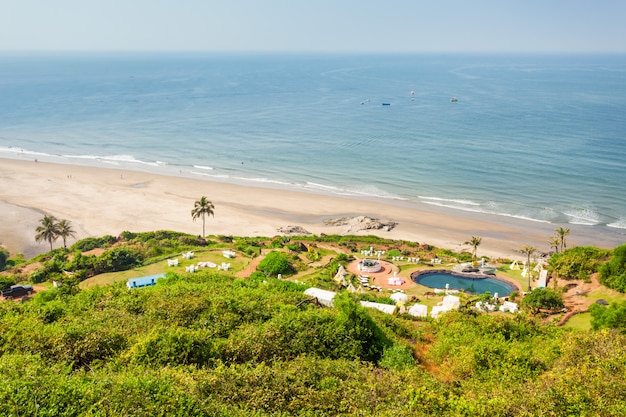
314	25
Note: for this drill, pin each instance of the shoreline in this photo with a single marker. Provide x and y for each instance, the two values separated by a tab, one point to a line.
99	201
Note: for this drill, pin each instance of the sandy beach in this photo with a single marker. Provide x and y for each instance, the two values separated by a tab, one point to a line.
101	201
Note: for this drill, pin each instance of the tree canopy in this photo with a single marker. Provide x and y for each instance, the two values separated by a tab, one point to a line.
613	273
201	209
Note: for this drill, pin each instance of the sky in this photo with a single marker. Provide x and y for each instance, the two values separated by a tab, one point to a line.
314	25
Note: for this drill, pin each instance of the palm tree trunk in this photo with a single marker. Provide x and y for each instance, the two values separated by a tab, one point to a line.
203	232
528	271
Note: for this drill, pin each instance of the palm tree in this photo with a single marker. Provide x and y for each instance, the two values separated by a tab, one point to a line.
562	232
48	230
528	251
554	242
474	243
202	208
65	230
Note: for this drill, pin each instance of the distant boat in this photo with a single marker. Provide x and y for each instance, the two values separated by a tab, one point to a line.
454	99
386	104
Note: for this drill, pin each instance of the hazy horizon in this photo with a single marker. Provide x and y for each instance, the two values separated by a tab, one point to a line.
350	26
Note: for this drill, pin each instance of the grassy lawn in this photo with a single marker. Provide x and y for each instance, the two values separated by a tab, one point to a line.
237	263
607	294
580	321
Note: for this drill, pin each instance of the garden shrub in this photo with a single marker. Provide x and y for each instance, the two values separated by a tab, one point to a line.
613	273
577	263
276	263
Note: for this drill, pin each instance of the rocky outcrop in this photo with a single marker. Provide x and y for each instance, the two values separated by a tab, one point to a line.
293	230
360	223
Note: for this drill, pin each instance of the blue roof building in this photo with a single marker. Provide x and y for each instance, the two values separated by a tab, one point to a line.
146	281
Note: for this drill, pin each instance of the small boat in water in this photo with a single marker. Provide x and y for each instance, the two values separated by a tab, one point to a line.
386	104
454	99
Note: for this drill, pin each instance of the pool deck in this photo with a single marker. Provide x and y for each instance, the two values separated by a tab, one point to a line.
380	278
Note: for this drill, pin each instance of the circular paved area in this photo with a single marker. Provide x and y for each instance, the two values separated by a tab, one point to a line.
380	278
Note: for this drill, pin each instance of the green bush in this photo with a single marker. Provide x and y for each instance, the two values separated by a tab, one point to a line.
177	346
91	243
276	263
577	263
276	243
611	317
4	256
613	273
397	357
39	275
6	281
118	259
543	299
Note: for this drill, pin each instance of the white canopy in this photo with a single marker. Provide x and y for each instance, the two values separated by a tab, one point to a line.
385	308
399	297
323	296
418	310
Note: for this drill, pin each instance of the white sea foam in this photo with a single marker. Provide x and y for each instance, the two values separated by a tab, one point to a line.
20	151
262	180
619	224
204	174
490	207
314	185
448	200
91	157
202	167
583	216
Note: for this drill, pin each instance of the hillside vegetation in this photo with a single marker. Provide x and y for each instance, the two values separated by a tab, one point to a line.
212	344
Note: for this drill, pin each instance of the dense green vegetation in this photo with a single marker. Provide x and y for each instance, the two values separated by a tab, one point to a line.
210	344
578	263
207	344
613	273
543	299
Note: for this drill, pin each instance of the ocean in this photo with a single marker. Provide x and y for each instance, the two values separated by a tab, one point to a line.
534	137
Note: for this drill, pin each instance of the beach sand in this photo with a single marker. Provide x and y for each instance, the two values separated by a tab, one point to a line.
101	201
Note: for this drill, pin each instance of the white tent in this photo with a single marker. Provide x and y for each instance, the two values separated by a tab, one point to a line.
436	310
340	275
385	308
418	310
509	306
452	302
449	303
324	297
399	298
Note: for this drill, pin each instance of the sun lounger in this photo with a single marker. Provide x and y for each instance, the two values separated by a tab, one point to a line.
172	262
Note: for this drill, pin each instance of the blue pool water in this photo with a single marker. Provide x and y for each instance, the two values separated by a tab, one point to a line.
470	285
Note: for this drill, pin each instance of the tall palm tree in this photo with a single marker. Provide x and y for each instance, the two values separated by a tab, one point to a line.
202	208
48	230
554	242
528	250
65	230
562	232
474	243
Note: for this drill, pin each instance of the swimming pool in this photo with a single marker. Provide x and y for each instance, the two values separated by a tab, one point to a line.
439	279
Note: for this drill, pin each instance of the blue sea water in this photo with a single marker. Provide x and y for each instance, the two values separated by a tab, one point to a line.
536	137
